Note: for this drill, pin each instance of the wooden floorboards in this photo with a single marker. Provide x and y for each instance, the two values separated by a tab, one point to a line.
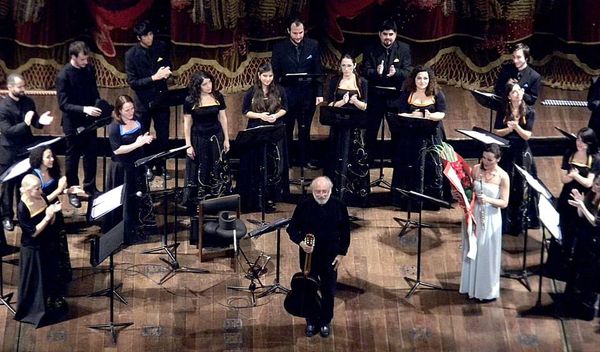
196	312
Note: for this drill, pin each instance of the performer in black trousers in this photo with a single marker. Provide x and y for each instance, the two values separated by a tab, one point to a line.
148	66
17	115
77	94
593	99
385	65
327	219
294	55
520	72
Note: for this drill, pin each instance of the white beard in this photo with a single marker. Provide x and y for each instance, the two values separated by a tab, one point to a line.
321	201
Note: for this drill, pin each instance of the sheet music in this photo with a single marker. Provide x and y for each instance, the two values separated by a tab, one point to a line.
17	169
48	142
107	202
46	119
489	95
296	74
482	137
534	183
549	217
178	148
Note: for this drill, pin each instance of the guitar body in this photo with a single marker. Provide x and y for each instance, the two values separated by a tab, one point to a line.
304	299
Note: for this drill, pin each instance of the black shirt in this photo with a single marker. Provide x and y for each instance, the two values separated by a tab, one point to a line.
515	140
28	221
336	93
286	59
76	88
247	107
527	78
398	54
205	119
140	64
118	137
14	132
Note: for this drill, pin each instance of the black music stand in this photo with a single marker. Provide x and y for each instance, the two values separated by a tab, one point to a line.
381	181
570	136
174	98
260	136
400	127
169	249
420	198
255	270
343	119
295	79
104	246
484	137
488	100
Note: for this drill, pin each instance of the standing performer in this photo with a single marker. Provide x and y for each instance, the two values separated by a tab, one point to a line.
593	99
77	93
421	97
148	66
515	122
264	104
205	130
298	54
521	73
44	165
127	139
579	167
17	115
40	302
327	219
385	65
349	91
480	276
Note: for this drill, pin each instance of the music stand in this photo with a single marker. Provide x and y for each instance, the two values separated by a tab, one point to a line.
488	100
174	98
344	119
523	274
569	135
104	246
484	137
400	126
420	198
301	79
381	181
169	249
260	136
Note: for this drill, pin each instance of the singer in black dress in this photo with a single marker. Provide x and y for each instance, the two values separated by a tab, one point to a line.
350	180
514	122
421	99
264	104
205	129
126	138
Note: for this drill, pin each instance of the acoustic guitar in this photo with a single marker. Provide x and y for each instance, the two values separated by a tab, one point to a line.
304	299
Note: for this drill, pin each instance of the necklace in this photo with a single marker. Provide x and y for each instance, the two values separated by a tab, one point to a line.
489	175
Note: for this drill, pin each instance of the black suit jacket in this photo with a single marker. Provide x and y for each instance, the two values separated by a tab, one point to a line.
285	61
140	64
528	79
398	55
15	135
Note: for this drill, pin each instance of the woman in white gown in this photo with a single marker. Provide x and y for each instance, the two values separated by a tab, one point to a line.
480	276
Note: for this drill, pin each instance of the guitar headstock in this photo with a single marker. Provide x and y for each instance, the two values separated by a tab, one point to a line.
310	240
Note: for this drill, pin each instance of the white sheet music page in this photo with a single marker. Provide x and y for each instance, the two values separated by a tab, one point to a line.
482	137
107	202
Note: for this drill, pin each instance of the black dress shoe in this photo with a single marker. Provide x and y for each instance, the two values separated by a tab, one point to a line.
310	331
325	330
74	200
8	224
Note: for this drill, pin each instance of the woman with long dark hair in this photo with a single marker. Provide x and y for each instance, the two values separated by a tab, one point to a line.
348	90
264	104
514	122
206	133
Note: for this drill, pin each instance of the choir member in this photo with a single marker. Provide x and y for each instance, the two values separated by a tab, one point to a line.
521	73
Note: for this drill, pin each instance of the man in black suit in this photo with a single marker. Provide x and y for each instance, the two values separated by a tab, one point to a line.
17	115
148	66
385	65
519	72
298	54
77	94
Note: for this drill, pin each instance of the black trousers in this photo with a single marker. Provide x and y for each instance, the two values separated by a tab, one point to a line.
160	117
85	145
301	108
7	189
323	270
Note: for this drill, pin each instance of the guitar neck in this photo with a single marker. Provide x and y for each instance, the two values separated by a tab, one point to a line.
307	263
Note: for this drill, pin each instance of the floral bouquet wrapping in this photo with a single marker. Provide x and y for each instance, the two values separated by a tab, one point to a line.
458	172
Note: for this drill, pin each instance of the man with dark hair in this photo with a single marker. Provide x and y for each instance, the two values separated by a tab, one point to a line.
148	66
385	65
298	54
77	94
593	103
326	218
17	115
519	72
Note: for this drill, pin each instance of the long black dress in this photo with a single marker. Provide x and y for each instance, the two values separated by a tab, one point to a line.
515	215
207	175
59	246
408	143
348	165
38	289
122	171
560	256
250	176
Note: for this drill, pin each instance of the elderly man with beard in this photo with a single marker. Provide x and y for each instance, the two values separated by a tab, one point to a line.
326	218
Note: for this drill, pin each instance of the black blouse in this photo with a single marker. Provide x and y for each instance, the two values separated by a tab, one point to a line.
118	137
28	222
205	119
513	137
336	93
